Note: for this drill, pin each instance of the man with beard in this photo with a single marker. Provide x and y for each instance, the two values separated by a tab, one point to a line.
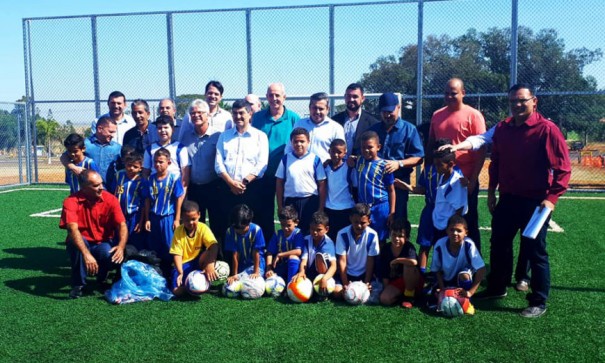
144	134
353	120
117	103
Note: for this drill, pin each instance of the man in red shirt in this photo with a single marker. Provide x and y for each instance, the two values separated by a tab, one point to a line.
91	217
457	121
531	168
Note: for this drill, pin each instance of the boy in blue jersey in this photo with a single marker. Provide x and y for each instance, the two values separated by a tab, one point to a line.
74	144
283	253
318	253
375	185
179	162
128	186
117	165
456	261
245	244
163	200
339	176
194	247
451	196
357	248
300	179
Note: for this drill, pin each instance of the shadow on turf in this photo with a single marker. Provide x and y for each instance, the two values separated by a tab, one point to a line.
52	262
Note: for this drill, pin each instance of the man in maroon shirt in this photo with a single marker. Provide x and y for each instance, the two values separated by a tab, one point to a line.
91	217
530	166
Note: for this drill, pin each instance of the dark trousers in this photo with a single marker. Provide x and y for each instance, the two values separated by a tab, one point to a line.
99	251
401	203
263	204
227	201
208	198
511	215
339	219
305	207
472	218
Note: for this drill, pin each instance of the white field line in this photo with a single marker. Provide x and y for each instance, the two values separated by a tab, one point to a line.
18	190
48	213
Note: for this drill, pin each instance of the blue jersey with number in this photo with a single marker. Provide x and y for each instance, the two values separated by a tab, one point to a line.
72	179
164	193
245	245
280	243
129	192
372	181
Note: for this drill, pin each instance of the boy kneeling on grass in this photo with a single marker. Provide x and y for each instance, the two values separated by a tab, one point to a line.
194	247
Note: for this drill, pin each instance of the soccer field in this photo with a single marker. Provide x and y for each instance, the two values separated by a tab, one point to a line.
39	323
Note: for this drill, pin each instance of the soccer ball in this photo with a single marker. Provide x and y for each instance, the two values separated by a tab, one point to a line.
222	270
300	290
275	285
451	304
197	283
316	283
232	290
357	293
253	288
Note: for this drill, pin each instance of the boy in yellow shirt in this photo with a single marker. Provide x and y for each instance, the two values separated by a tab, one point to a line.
194	247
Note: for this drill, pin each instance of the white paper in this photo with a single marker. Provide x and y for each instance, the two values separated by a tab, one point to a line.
536	222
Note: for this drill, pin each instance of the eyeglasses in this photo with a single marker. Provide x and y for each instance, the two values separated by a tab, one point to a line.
521	101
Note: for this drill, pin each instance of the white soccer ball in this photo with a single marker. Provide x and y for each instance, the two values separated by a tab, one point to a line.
232	290
253	288
300	290
197	283
222	270
316	283
274	286
450	307
357	293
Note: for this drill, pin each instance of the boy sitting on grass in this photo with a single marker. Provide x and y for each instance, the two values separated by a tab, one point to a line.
399	267
193	248
283	254
456	261
357	248
245	243
318	253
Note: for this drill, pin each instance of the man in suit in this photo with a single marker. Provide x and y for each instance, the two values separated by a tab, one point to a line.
353	120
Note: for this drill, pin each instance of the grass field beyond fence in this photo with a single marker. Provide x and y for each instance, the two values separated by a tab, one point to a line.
39	323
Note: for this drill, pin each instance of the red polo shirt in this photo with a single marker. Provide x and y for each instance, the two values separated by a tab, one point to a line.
530	160
97	221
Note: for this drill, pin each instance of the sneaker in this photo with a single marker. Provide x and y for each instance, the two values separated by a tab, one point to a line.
533	312
522	285
488	294
407	303
76	292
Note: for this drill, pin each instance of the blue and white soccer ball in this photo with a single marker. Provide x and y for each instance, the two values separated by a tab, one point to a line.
253	288
232	290
275	286
197	283
357	293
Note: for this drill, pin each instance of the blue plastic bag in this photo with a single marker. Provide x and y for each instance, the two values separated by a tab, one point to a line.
139	282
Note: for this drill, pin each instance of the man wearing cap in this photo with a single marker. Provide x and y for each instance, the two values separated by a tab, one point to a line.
457	121
353	119
401	146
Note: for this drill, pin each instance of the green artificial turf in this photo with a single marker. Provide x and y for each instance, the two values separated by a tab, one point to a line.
39	323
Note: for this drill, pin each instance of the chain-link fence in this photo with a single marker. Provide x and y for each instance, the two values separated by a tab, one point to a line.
490	44
15	156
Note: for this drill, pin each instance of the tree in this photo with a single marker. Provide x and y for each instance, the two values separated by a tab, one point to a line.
482	60
48	131
8	130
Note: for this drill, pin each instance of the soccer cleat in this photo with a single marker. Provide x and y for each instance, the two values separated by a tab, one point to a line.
522	285
488	294
533	312
76	292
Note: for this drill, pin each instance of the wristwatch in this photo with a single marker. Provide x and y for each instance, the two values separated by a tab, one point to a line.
401	163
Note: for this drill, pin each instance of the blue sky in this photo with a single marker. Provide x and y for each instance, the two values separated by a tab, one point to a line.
360	39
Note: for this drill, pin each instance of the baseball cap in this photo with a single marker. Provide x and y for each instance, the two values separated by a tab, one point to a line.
387	102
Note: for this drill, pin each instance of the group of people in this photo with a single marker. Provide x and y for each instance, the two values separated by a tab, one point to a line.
340	185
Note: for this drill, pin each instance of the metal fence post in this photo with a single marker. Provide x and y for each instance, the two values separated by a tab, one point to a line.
171	75
249	48
27	98
95	65
514	40
419	72
331	53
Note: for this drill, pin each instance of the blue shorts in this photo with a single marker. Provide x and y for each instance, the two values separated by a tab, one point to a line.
188	267
161	234
425	227
379	213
